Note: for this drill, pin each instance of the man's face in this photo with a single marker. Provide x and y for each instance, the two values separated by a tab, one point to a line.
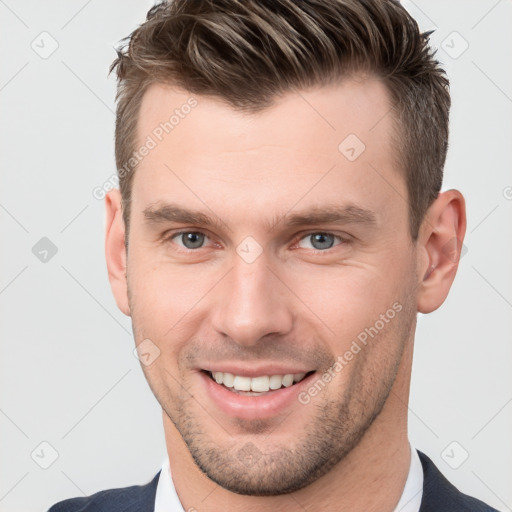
254	295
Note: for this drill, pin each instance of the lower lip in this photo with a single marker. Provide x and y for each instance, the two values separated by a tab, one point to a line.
253	407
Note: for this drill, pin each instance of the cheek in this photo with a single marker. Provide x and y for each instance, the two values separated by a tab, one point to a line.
164	293
347	298
169	306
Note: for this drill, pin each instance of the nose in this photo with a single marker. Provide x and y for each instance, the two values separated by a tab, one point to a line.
252	303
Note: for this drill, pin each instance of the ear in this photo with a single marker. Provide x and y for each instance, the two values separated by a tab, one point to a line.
115	250
439	248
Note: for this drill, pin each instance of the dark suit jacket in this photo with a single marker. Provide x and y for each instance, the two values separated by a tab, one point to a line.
439	495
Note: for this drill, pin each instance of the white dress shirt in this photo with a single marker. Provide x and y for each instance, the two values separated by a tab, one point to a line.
167	500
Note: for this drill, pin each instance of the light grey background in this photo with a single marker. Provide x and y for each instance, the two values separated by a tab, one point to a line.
68	374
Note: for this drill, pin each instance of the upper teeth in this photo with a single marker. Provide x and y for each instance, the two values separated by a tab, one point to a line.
259	384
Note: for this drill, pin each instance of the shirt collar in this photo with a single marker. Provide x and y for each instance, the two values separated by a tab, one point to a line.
410	501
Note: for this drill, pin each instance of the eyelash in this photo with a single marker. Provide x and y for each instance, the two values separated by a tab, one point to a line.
169	238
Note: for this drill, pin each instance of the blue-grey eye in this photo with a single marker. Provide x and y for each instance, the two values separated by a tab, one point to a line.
191	240
320	241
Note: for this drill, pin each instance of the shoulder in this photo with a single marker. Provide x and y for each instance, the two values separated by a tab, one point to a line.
440	495
136	498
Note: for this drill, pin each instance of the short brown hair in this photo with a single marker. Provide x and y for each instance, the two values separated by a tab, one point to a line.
247	52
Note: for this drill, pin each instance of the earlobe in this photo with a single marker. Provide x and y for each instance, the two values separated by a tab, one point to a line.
115	250
442	233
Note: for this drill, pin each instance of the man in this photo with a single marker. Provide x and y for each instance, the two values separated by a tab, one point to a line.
278	226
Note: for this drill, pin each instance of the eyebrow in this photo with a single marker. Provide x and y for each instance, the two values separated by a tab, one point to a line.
325	214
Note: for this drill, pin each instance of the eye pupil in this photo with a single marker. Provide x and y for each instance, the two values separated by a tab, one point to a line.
325	240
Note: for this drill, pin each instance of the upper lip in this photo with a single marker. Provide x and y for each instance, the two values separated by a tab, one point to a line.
253	371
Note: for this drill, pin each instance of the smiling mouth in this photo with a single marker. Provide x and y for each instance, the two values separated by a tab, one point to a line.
256	386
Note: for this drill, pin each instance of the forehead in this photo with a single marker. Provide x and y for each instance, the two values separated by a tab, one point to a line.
358	106
330	143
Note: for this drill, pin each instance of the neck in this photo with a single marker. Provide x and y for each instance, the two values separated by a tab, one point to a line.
370	478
